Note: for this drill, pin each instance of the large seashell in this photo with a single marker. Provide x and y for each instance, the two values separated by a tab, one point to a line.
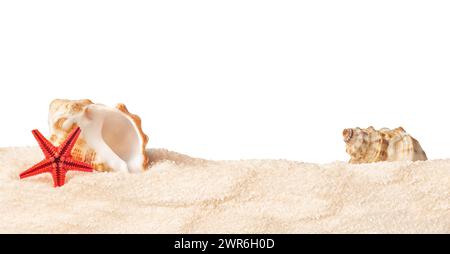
111	139
370	145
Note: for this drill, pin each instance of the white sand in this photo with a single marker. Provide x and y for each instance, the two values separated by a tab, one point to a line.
180	194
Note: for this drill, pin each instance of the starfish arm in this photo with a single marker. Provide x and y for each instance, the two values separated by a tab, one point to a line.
42	167
71	164
58	175
46	146
67	145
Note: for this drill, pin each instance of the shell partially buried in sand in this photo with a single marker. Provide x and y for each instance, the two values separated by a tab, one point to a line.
111	138
370	145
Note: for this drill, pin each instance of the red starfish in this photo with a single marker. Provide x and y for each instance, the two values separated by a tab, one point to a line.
58	160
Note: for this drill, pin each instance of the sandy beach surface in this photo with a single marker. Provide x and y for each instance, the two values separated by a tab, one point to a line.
180	194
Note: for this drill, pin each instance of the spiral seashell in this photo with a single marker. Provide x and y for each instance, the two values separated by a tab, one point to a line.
111	139
370	145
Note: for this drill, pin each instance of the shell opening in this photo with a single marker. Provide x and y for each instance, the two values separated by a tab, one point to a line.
119	144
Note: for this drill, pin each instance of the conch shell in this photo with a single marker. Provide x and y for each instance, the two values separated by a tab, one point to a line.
370	145
111	139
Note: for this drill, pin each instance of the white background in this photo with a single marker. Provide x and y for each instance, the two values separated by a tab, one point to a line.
233	79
